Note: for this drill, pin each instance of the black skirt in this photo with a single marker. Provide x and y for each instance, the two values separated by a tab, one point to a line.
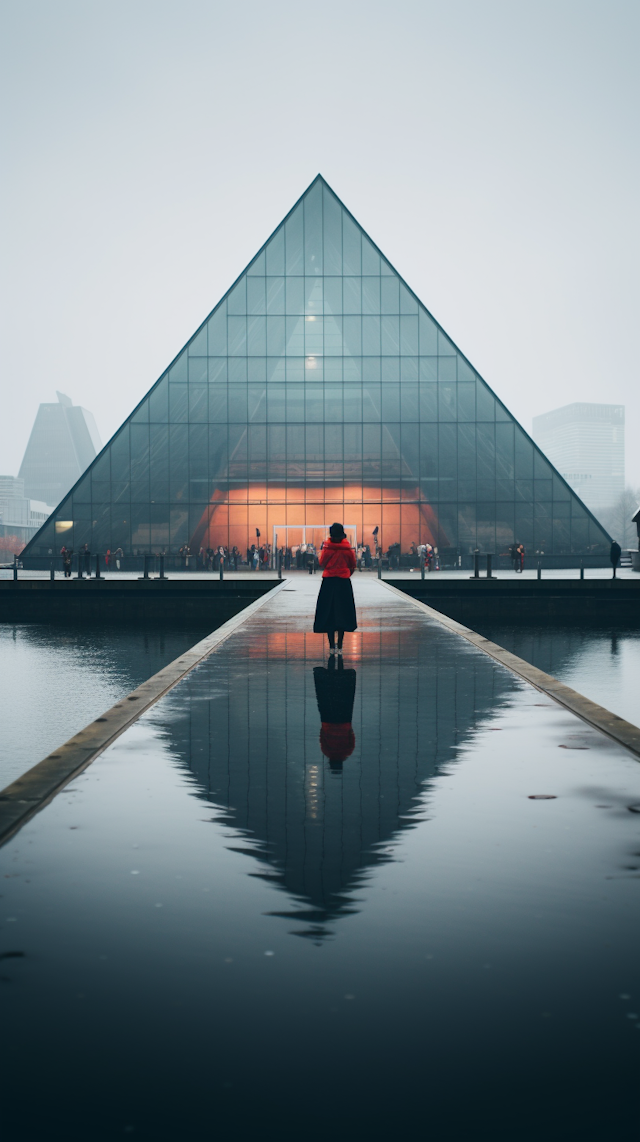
335	609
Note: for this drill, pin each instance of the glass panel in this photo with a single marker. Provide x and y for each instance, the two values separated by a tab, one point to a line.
257	335
198	403
428	334
275	254
446	402
178	402
141	415
237	330
275	295
198	346
409	335
178	371
352	263
258	266
237	299
390	335
198	370
408	303
390	402
313	295
294	244
276	336
313	230
390	295
295	295
333	295
485	404
332	233
256	295
409	403
370	258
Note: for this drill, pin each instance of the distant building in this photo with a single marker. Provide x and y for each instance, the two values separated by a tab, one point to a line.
63	442
20	517
585	442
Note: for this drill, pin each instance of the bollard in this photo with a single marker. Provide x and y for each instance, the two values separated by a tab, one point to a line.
489	562
221	570
476	565
582	570
15	568
379	568
162	574
52	573
98	575
280	565
422	568
145	573
539	571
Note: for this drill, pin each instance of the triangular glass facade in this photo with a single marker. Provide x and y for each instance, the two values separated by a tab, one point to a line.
321	389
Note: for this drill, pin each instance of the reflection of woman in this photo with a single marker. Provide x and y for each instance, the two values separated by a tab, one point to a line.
335	691
335	609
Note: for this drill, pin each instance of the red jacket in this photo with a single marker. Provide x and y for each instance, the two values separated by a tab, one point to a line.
338	559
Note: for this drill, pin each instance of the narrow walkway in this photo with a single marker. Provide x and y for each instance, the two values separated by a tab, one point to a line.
244	900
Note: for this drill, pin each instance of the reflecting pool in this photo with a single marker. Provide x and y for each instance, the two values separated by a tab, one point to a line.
55	679
600	661
394	896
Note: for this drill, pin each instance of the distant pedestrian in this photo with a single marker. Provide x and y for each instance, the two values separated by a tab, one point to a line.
86	557
520	554
67	554
107	558
119	556
335	609
614	555
513	556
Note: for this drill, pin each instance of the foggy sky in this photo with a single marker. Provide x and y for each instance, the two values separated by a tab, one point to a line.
489	148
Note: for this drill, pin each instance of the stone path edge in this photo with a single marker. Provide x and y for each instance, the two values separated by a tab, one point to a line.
28	794
621	731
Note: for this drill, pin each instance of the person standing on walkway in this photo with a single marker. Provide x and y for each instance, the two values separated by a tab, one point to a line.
86	555
520	553
119	554
615	552
66	561
335	609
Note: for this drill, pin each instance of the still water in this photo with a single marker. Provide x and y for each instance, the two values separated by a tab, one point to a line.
394	897
55	679
601	662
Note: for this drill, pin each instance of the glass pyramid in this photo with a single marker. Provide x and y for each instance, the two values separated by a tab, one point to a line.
321	389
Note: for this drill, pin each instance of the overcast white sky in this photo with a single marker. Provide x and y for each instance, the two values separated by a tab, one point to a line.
489	147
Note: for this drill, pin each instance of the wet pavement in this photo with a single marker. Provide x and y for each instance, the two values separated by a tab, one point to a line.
299	898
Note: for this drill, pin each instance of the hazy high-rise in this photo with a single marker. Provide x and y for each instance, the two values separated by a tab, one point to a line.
585	442
63	442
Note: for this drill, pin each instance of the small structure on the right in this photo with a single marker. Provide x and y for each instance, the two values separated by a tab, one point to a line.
635	555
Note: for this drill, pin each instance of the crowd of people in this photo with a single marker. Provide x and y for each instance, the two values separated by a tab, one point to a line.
300	557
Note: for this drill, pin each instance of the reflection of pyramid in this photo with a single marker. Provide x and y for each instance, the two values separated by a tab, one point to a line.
246	725
321	388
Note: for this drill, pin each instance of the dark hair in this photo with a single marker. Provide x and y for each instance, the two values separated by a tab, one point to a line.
337	532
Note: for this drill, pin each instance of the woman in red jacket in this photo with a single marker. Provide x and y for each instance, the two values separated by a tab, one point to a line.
335	610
